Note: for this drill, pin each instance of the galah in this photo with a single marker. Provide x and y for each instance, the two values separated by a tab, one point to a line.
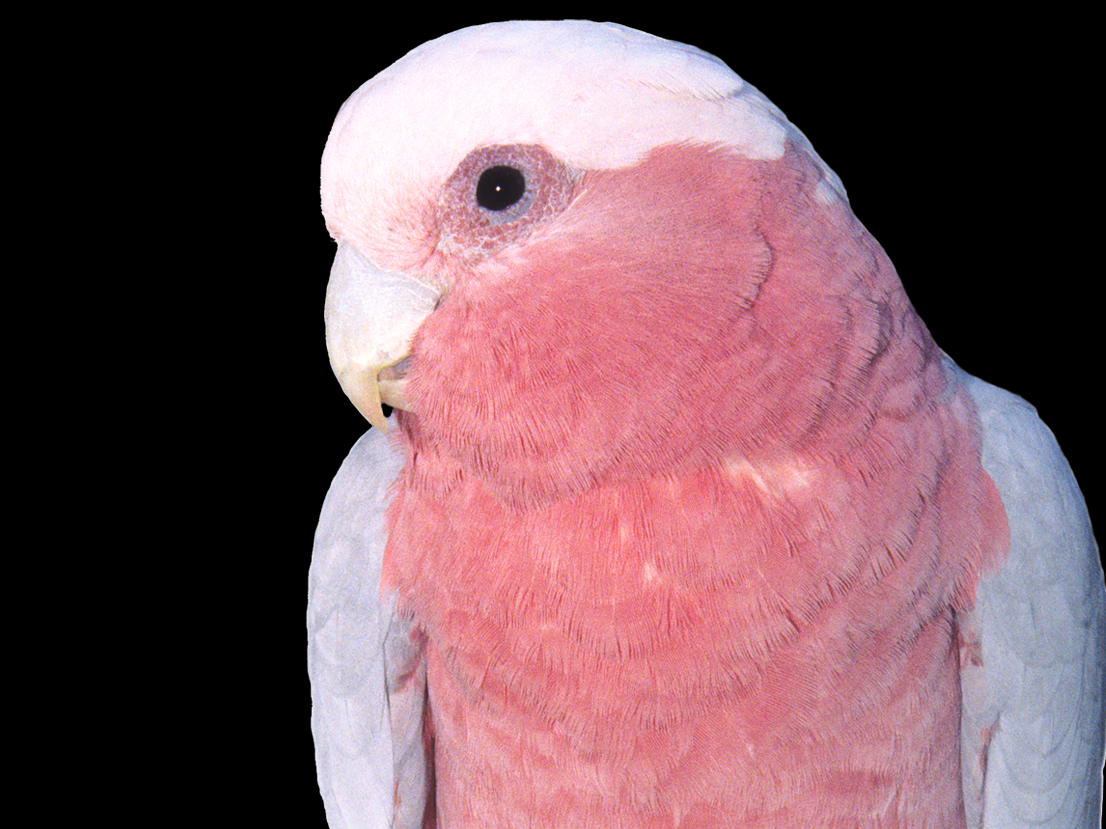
683	520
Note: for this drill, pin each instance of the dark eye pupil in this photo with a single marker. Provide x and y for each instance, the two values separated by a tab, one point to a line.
499	188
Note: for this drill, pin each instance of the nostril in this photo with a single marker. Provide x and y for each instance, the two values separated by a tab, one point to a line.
398	371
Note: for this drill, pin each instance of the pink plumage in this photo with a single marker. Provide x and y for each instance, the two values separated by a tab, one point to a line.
692	514
639	610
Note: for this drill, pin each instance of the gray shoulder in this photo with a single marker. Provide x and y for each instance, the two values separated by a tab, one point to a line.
1032	730
365	662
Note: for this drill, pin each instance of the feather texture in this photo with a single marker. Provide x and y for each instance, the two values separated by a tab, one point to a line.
688	521
368	677
1033	693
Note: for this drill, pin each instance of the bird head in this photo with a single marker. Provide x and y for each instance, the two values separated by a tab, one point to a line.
573	250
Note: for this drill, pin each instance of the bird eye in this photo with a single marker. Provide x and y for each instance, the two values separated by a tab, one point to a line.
500	187
497	195
503	191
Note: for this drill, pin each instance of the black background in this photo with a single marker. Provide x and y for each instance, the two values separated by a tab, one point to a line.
963	149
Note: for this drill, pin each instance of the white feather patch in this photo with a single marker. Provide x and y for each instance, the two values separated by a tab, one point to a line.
596	95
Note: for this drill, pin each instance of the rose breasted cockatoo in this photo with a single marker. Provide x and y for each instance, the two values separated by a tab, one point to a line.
684	520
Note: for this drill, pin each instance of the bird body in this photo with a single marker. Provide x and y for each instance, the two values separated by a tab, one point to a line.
687	522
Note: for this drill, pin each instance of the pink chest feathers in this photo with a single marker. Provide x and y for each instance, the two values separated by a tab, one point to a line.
687	526
756	645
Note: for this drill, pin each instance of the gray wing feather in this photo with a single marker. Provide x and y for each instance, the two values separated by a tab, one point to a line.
368	679
1032	727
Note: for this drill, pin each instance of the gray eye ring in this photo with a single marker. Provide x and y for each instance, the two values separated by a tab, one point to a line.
497	195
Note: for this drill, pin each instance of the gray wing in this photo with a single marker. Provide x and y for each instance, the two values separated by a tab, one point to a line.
368	677
1032	727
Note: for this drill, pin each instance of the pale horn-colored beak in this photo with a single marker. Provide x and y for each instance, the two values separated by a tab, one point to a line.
371	315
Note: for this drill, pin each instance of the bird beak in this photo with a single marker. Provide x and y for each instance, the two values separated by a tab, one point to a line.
371	316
